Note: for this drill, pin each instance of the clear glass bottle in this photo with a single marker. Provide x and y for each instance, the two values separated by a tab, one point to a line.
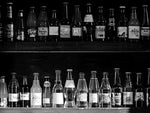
1	25
82	92
147	93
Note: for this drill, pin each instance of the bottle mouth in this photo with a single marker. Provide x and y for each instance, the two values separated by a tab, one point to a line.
122	7
144	5
9	3
69	69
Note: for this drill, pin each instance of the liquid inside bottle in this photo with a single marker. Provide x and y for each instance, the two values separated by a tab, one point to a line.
147	94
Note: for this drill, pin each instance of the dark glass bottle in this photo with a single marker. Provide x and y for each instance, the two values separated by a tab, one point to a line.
1	25
54	27
25	93
147	93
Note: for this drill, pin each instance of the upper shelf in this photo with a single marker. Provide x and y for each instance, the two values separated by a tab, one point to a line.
73	47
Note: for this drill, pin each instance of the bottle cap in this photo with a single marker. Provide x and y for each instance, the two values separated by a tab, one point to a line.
88	4
127	72
69	69
46	76
57	71
9	3
122	7
144	5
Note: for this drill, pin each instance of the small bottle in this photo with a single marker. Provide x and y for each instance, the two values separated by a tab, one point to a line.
42	25
31	25
3	92
57	92
13	91
139	93
147	94
1	25
53	27
93	91
25	93
69	90
128	91
36	92
134	26
82	92
47	92
105	92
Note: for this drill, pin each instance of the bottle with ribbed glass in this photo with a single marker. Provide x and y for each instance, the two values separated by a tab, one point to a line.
147	93
93	90
1	25
57	92
82	92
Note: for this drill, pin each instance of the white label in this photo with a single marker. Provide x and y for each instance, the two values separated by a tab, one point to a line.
100	32
46	84
145	31
93	98
10	30
122	32
139	96
65	31
36	99
53	30
24	96
20	35
82	97
134	32
111	22
88	18
58	98
3	102
46	100
128	98
13	97
106	98
42	31
32	32
69	84
116	99
77	31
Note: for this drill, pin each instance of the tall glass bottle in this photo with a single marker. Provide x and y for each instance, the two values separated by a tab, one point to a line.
31	25
53	27
82	92
117	90
3	92
36	92
128	91
69	90
13	91
42	25
147	94
25	93
47	92
134	26
1	25
65	26
145	27
57	92
139	92
105	91
100	25
93	90
77	24
88	24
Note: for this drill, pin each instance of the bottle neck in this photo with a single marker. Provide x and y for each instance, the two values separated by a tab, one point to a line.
25	82
81	75
100	13
77	16
54	14
145	15
36	79
65	11
89	9
117	77
58	79
2	79
128	79
122	13
69	75
93	74
139	81
148	80
9	11
134	14
111	12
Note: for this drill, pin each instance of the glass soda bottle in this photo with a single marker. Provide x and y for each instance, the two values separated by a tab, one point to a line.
77	24
117	90
147	94
31	25
1	25
105	91
145	27
25	93
93	90
13	91
47	92
128	91
3	92
42	25
36	92
69	90
57	92
82	92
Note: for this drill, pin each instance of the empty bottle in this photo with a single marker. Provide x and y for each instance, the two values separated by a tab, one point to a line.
69	90
93	90
3	92
147	94
1	25
57	92
13	91
82	92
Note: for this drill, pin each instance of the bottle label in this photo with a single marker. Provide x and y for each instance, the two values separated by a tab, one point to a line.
88	18
24	96
46	100
65	31
9	30
116	99
53	30
13	97
82	97
58	98
93	98
32	32
106	98
122	32
134	32
111	22
145	31
76	31
69	84
100	32
128	98
1	31
139	96
3	102
46	84
20	35
42	31
36	99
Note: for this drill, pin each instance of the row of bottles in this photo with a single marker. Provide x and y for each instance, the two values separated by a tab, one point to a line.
71	96
90	28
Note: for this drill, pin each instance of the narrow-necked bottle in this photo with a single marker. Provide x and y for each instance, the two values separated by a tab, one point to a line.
3	92
82	92
147	93
1	25
36	92
57	92
93	90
